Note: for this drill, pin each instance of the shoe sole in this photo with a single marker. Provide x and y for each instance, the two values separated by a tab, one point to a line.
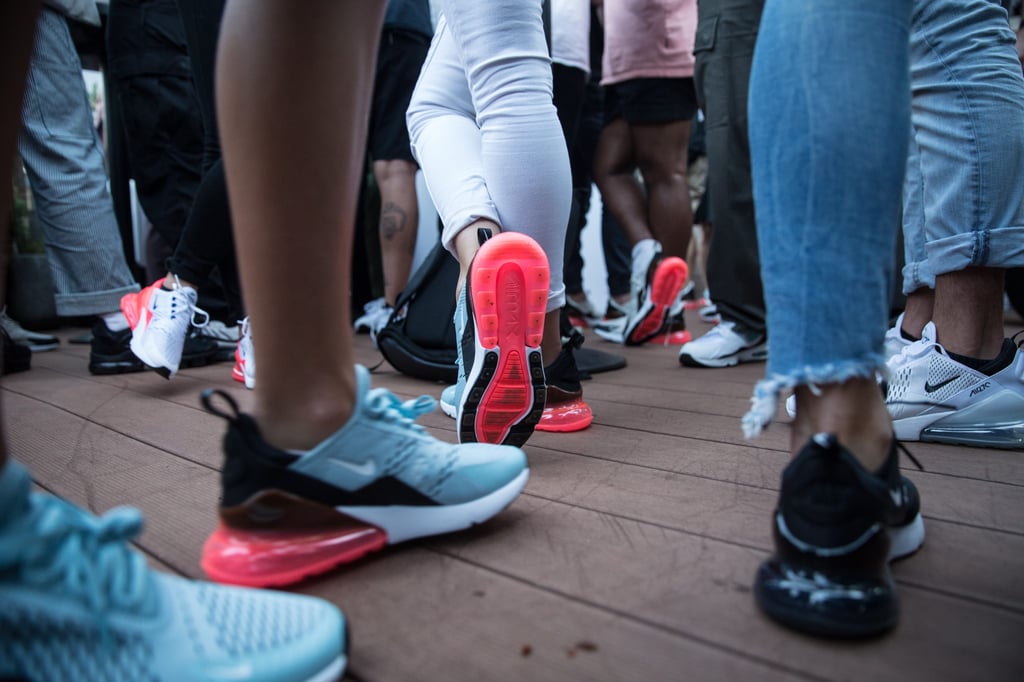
993	423
752	355
505	391
254	559
574	415
667	282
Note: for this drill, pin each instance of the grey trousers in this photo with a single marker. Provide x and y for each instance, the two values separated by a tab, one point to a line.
64	162
724	49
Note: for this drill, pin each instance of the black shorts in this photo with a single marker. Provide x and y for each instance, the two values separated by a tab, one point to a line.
399	61
651	101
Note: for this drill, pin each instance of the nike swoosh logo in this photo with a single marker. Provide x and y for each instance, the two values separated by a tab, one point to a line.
367	469
897	497
931	388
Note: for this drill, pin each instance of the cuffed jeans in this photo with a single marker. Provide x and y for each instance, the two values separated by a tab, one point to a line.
964	189
829	131
64	162
485	131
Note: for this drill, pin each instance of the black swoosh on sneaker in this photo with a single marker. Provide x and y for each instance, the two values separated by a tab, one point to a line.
931	388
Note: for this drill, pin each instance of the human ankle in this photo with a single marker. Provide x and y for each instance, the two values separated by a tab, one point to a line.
854	411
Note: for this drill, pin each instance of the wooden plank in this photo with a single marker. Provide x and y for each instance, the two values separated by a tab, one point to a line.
702	588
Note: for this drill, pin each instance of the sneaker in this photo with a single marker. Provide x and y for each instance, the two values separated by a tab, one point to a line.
499	321
225	336
160	321
580	312
375	316
17	357
245	361
81	603
836	529
379	480
724	346
675	332
933	397
564	408
110	352
655	299
35	341
895	341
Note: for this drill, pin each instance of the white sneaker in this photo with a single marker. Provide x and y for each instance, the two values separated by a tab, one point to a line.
245	361
723	346
895	342
932	397
36	342
375	316
159	320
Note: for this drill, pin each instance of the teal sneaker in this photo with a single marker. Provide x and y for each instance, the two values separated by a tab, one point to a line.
380	479
80	604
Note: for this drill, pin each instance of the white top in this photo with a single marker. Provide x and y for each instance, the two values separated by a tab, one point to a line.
570	33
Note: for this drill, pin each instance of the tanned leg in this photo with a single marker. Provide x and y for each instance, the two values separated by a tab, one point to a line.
292	79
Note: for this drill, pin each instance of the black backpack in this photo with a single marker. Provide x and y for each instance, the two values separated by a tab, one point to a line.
419	338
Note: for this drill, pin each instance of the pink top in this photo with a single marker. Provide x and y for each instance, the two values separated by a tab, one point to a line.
648	39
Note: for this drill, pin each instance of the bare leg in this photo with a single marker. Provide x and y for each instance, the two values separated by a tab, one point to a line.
614	165
919	311
17	34
854	411
280	81
399	219
969	311
661	157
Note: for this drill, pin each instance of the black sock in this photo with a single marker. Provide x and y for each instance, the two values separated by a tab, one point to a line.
990	366
907	336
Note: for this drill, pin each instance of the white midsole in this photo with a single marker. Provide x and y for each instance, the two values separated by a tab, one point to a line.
406	522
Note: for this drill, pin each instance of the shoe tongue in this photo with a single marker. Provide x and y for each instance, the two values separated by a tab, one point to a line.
362	384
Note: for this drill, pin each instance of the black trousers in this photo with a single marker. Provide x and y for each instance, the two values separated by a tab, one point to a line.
724	50
206	252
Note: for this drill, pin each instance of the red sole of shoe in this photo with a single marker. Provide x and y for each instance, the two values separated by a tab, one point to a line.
574	415
509	283
279	558
677	338
668	280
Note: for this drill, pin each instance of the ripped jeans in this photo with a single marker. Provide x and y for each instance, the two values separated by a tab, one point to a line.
829	130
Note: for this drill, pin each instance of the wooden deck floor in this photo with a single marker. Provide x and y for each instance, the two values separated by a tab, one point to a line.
629	556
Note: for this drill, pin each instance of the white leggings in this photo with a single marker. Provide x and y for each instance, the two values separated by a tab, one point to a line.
485	131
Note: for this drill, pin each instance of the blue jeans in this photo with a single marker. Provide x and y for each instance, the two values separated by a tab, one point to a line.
964	190
829	131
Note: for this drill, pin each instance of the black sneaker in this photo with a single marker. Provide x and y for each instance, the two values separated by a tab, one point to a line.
564	407
836	529
17	357
111	352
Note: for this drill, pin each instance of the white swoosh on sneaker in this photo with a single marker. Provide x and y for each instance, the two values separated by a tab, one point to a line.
367	469
897	497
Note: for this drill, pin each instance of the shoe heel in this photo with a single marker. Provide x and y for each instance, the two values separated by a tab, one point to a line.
509	283
668	280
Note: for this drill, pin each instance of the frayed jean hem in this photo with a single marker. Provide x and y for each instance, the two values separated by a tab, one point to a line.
764	402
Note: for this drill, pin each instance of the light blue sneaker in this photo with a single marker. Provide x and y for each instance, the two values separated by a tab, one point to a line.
80	603
380	479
